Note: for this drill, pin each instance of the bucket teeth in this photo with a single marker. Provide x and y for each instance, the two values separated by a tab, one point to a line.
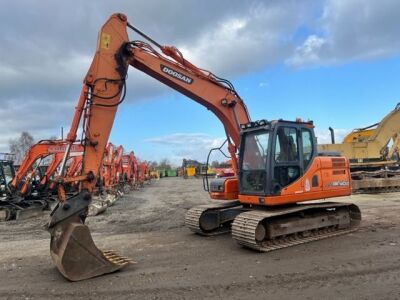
113	257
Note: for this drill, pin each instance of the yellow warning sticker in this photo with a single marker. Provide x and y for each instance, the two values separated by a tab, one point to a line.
105	40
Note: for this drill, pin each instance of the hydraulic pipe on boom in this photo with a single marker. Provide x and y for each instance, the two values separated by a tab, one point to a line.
71	137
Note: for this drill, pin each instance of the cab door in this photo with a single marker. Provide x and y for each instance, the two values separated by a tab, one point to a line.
286	164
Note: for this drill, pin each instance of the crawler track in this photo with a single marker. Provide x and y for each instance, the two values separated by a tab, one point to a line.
373	182
193	215
245	225
17	210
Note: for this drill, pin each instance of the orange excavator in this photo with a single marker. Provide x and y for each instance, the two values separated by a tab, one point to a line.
129	168
27	191
13	206
276	163
117	170
112	172
143	173
25	173
107	167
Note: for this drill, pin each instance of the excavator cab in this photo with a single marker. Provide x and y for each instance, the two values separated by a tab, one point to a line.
7	173
273	155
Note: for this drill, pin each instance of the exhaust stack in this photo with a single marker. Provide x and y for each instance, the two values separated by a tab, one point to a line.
332	135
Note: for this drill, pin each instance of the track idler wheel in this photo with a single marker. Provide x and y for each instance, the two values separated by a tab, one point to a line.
72	248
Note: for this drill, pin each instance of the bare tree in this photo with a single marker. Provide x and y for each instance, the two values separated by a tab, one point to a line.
164	164
215	164
20	145
153	165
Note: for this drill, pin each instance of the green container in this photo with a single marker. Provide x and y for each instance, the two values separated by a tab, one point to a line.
162	173
171	173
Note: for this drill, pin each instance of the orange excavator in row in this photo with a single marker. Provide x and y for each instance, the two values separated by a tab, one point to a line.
121	171
29	192
143	173
112	168
131	171
111	174
135	173
276	163
13	206
21	182
31	187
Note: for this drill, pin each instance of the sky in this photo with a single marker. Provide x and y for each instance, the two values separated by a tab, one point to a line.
336	62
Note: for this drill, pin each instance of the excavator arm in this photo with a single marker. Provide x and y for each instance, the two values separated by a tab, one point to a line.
55	162
76	153
387	128
104	88
203	87
76	164
369	146
39	151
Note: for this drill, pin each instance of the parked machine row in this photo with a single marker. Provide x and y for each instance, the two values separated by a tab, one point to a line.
31	187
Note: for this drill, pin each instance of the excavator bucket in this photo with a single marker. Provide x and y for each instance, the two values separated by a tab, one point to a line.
72	248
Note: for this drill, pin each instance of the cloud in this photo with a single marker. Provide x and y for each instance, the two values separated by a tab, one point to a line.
30	115
351	30
48	45
308	52
255	36
195	146
324	135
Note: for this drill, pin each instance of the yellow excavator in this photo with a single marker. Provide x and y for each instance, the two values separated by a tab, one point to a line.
373	152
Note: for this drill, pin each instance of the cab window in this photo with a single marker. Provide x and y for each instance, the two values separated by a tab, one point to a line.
254	159
286	148
307	147
287	163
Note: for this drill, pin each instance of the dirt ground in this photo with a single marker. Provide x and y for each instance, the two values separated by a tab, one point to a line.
173	263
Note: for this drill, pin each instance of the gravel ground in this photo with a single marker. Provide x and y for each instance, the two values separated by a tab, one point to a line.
173	263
